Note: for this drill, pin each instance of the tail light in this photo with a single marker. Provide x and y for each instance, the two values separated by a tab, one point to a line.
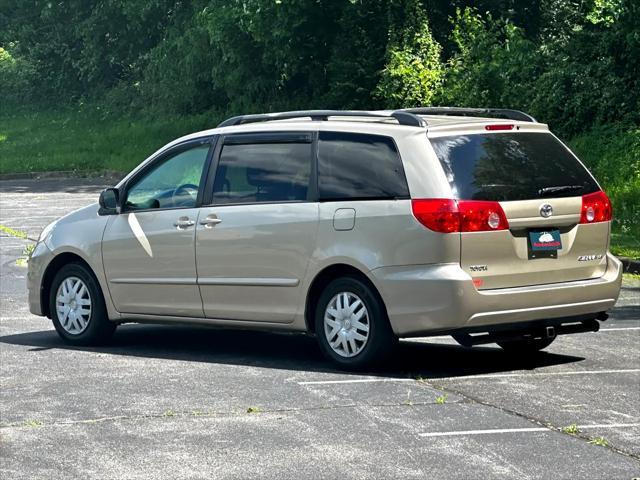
481	216
437	214
448	216
596	207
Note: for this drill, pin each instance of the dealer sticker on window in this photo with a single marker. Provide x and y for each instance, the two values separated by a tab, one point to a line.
545	240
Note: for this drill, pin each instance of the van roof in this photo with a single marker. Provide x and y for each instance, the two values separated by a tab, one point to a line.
446	120
413	117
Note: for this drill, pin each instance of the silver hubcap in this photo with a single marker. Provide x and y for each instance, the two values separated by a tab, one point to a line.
73	304
346	324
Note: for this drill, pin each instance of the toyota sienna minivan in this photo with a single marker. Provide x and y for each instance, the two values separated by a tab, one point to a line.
357	227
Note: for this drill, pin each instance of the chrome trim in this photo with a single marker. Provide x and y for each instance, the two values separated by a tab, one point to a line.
254	282
155	281
556	221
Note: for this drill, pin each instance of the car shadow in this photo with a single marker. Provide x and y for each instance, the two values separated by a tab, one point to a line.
292	351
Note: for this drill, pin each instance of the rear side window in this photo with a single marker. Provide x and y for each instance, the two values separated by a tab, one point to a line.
359	166
511	166
265	172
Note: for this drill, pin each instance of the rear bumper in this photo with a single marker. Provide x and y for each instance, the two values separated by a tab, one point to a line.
424	299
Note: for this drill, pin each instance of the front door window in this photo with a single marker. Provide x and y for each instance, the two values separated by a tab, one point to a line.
173	183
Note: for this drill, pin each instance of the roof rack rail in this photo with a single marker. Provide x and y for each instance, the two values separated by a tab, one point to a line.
403	117
472	112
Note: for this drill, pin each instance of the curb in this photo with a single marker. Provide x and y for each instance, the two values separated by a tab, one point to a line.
630	265
62	174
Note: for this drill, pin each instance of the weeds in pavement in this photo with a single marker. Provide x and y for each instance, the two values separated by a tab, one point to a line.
442	399
571	429
33	423
600	441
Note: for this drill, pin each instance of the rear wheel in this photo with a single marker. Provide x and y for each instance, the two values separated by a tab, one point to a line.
526	346
351	324
77	307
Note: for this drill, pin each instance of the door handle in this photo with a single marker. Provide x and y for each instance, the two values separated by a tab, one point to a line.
184	223
211	221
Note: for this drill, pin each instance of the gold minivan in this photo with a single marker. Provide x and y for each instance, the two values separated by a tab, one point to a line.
356	227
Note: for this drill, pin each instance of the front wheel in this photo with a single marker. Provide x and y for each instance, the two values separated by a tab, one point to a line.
351	324
77	307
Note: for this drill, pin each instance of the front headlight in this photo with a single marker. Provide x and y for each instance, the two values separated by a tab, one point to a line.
46	231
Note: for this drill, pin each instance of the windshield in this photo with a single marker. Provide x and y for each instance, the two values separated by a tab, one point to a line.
511	166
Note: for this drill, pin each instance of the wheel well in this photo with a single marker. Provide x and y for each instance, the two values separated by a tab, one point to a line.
56	264
322	279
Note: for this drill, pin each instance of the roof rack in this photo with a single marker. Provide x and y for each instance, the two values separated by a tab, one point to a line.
403	117
472	112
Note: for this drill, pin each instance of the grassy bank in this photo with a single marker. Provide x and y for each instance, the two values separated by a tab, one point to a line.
87	141
612	153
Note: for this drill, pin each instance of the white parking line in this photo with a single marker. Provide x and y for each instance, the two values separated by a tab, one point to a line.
474	377
617	329
359	380
494	431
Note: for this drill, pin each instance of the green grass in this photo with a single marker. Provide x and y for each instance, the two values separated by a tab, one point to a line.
85	141
612	153
625	245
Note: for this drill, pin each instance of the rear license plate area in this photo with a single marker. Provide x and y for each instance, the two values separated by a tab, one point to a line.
544	243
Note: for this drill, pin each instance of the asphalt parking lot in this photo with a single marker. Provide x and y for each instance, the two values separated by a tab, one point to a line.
193	402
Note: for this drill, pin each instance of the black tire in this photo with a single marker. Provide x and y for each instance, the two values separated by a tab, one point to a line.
381	340
99	328
526	346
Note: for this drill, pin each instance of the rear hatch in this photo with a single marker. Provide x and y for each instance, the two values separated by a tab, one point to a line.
556	220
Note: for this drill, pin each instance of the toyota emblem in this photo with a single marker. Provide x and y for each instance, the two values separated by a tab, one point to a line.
546	210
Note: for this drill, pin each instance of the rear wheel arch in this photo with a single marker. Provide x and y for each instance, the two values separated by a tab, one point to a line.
323	278
54	267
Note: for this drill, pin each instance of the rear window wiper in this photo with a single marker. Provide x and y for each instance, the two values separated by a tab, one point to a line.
543	192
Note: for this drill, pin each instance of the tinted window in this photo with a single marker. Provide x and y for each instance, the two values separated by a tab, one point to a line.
172	183
267	172
358	166
511	166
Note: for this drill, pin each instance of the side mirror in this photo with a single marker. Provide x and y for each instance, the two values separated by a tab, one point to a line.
109	202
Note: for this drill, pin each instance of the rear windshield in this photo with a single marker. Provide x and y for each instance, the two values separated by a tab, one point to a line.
511	166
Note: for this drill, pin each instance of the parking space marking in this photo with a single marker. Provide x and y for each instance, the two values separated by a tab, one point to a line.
358	380
617	329
473	377
494	431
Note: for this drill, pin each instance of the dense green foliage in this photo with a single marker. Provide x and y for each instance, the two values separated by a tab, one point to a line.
114	79
612	153
573	63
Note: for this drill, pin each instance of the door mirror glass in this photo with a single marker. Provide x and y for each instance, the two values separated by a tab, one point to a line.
109	201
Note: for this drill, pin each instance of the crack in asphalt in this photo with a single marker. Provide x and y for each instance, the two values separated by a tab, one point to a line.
466	399
209	414
542	423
